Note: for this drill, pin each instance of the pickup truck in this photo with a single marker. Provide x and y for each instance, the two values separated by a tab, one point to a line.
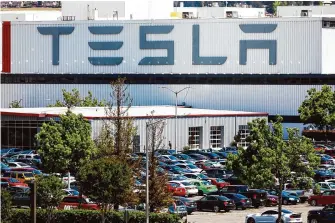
258	197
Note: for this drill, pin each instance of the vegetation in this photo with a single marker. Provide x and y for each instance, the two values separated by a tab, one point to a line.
6	206
107	181
65	145
49	193
268	157
73	99
79	216
319	109
16	104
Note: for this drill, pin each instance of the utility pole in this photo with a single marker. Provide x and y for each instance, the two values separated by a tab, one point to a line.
147	173
176	114
33	201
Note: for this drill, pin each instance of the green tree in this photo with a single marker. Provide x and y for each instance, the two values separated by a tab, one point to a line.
16	104
269	157
108	181
73	99
6	206
319	109
49	193
65	145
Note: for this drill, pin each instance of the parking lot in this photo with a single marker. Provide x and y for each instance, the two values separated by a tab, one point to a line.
237	216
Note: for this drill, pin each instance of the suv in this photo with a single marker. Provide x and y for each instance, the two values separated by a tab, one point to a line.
72	202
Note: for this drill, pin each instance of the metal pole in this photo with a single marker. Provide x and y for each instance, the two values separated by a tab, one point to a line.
147	174
68	180
175	124
33	202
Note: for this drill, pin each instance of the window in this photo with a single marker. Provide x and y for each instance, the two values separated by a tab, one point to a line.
216	136
194	137
243	131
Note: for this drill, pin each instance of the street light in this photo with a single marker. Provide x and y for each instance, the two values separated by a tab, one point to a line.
176	106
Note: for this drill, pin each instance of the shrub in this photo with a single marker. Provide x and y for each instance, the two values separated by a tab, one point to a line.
6	206
88	216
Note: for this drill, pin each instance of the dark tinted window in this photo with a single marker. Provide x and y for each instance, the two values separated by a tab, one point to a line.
270	213
211	198
224	198
70	200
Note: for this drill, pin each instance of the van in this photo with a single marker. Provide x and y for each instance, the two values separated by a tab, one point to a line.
23	177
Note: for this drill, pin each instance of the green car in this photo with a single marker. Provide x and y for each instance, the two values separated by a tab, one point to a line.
204	187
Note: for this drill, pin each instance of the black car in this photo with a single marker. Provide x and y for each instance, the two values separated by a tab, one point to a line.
190	205
325	215
240	200
215	203
21	199
258	197
219	173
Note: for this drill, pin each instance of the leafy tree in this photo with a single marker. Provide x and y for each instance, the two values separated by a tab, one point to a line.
108	181
49	193
16	104
158	193
269	157
6	206
73	99
67	144
319	109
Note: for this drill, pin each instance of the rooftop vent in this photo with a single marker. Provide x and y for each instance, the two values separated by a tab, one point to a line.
306	13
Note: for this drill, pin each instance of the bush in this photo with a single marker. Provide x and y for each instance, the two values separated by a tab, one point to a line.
6	206
87	216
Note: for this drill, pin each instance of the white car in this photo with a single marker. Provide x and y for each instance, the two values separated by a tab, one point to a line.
190	167
271	216
18	165
190	188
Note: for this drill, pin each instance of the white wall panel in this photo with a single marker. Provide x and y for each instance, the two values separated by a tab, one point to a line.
328	50
298	47
274	99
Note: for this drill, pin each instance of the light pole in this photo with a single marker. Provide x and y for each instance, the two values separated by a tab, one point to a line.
175	118
147	125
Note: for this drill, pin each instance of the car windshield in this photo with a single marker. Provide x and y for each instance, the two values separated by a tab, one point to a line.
37	172
219	180
180	178
327	156
28	175
191	166
241	196
173	158
37	157
202	176
332	185
177	168
3	166
223	198
13	180
206	183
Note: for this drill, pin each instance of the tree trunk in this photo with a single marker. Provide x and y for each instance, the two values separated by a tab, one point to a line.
116	207
280	198
103	217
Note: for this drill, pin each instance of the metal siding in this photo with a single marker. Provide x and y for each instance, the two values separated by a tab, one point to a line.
274	99
298	47
328	50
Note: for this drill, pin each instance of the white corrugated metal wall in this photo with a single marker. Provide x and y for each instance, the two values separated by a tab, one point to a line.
274	99
298	47
230	125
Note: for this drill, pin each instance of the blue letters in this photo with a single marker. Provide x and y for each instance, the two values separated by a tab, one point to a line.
55	32
196	58
103	30
258	44
168	45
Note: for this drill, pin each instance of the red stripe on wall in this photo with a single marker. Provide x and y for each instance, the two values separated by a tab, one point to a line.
6	45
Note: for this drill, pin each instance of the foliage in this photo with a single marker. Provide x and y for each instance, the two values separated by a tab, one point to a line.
49	193
268	156
73	99
6	206
16	104
317	189
65	145
158	192
79	216
319	108
108	181
186	148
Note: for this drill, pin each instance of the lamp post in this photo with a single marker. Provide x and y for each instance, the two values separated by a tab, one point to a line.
176	107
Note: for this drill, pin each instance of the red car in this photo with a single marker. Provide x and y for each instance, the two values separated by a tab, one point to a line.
219	183
327	197
271	200
72	202
12	182
177	191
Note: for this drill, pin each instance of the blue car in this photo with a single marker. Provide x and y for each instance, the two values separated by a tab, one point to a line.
177	169
182	156
4	168
322	175
290	198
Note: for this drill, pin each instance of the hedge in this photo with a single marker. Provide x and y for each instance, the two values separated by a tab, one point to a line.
88	216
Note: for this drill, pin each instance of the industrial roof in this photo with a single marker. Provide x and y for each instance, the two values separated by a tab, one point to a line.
134	112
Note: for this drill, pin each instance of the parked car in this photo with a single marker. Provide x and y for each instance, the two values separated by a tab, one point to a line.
21	176
72	202
198	157
176	190
240	200
18	189
13	182
4	185
218	173
258	197
325	215
271	216
215	203
191	205
290	198
4	168
179	208
328	185
326	198
191	167
197	176
18	165
189	187
184	157
204	187
71	192
322	175
21	199
271	200
32	163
